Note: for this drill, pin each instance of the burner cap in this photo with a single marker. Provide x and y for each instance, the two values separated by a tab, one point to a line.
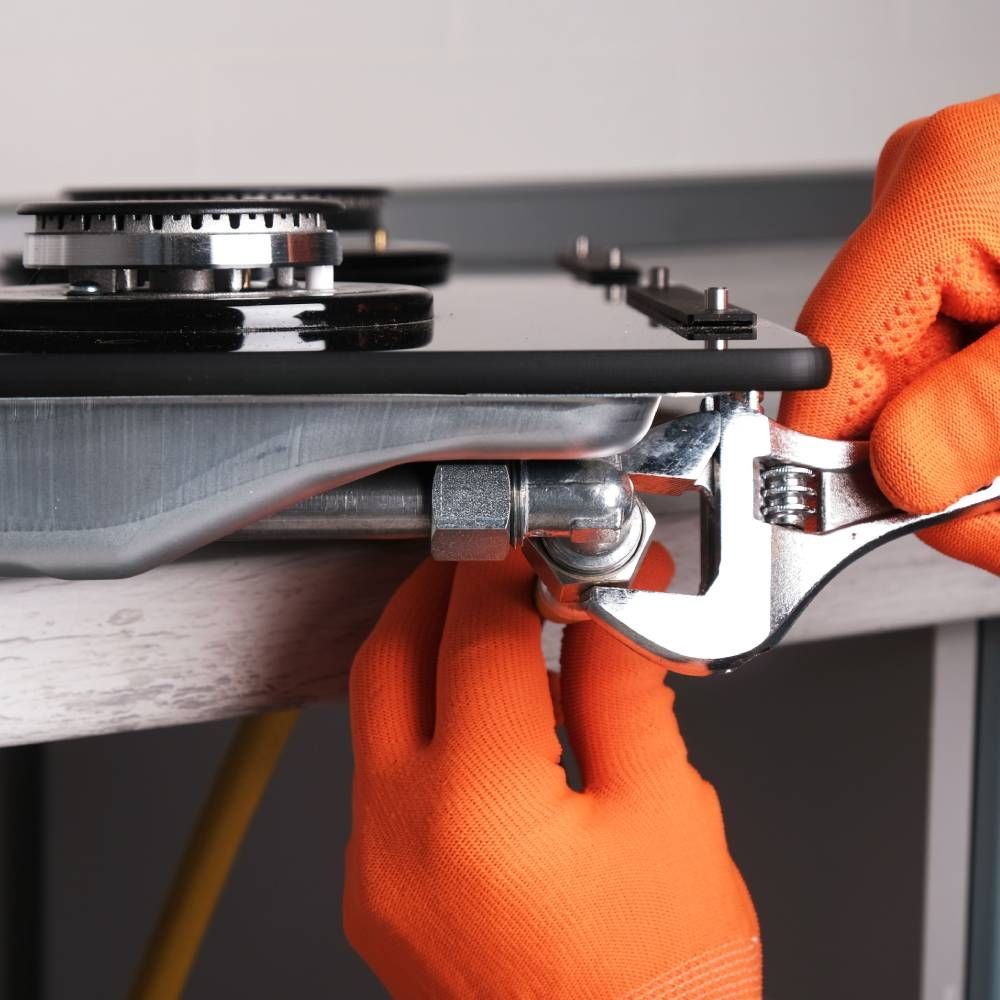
184	245
361	206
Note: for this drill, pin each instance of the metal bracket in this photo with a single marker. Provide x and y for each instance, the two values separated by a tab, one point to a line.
598	267
106	487
695	315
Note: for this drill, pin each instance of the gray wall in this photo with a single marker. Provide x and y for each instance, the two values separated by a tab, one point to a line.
451	91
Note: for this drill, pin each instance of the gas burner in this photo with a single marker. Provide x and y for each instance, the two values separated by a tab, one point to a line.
184	246
361	207
369	253
173	275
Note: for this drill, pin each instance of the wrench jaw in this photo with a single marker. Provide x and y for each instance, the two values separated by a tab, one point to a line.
676	456
684	630
731	618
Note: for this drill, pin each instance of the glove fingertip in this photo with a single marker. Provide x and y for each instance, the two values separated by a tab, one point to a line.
896	470
974	540
934	442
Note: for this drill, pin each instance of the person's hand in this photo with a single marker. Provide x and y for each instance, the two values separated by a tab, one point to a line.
909	309
473	869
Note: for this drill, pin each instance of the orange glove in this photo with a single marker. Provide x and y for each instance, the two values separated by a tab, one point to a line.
473	870
903	309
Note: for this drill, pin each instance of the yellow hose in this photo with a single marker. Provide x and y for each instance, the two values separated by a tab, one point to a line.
222	825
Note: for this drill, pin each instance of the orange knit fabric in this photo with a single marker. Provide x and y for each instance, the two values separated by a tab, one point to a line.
473	870
909	309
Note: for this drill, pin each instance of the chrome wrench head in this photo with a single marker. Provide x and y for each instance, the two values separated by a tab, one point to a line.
785	513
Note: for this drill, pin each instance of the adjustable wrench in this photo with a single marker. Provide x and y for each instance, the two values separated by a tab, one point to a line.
783	512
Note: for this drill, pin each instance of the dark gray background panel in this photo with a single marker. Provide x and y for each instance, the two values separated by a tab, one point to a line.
983	977
522	225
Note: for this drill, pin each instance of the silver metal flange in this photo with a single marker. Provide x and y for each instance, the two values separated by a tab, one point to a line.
183	245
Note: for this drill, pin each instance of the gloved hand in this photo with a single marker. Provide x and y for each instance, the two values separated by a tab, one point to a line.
473	870
909	309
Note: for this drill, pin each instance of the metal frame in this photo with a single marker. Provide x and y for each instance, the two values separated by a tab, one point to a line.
983	961
116	486
954	671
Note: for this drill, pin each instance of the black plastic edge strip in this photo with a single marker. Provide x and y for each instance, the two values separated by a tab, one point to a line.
458	372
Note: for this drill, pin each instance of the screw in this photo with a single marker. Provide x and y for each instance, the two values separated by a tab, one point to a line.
659	277
319	277
284	276
615	258
717	299
582	246
229	279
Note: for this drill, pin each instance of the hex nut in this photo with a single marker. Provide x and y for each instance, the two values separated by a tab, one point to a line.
565	585
471	510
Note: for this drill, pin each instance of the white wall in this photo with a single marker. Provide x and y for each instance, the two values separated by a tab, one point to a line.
445	90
